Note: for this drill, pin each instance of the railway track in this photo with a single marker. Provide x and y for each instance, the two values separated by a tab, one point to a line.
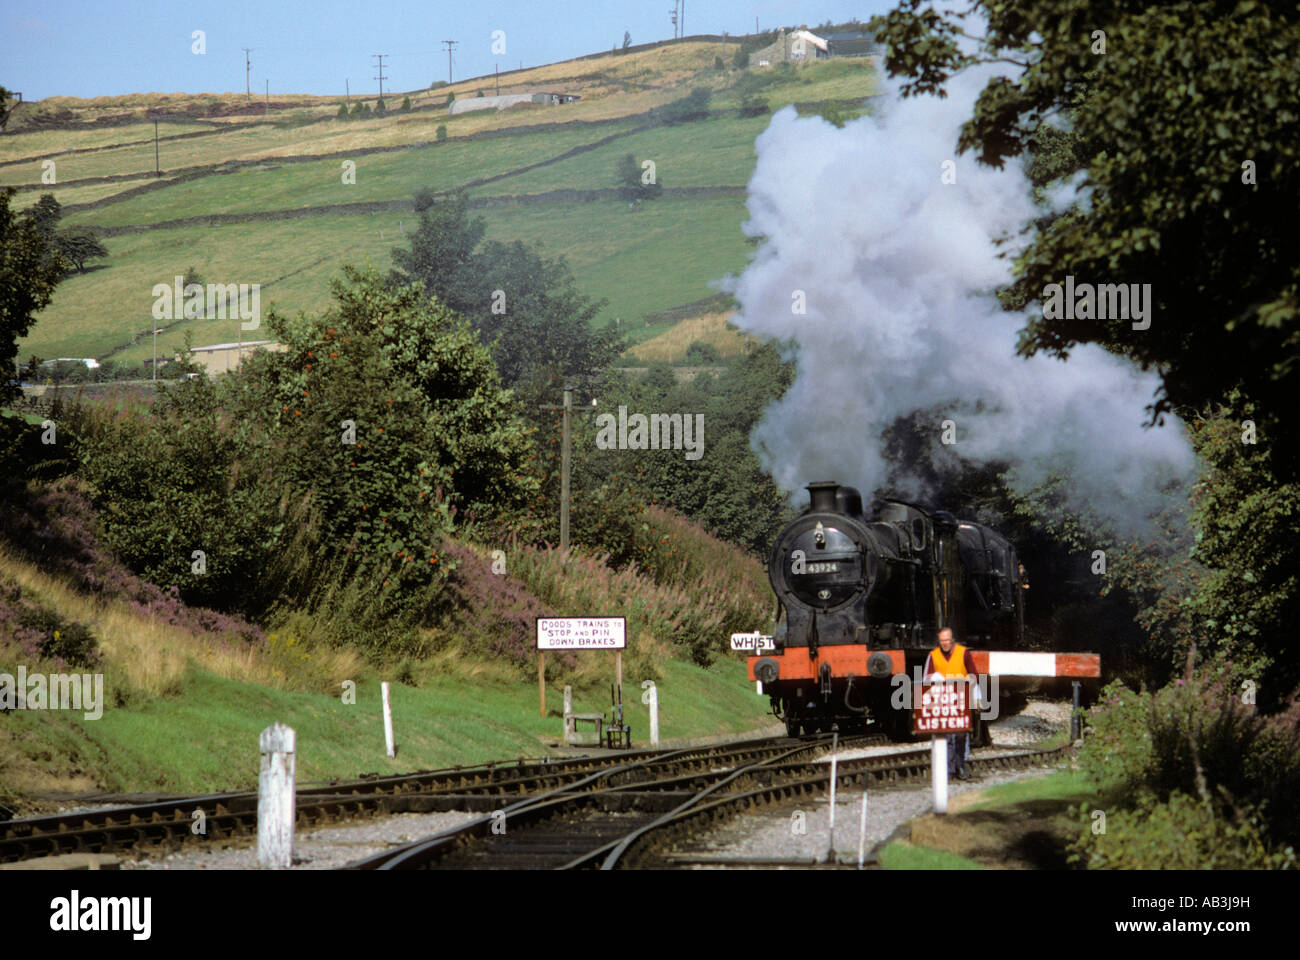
228	816
608	823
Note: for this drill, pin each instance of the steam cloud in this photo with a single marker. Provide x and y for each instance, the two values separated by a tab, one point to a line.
899	271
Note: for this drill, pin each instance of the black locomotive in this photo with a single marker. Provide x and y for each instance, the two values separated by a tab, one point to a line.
861	599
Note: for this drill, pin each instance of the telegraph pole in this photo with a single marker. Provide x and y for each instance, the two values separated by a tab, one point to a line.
564	474
155	149
266	109
449	44
564	466
248	90
497	67
380	78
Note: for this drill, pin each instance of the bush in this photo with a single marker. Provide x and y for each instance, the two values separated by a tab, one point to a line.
379	107
718	64
694	106
699	353
406	104
753	106
66	640
1182	833
343	110
441	133
357	109
1198	739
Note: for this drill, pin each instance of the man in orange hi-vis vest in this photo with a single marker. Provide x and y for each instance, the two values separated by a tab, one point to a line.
949	661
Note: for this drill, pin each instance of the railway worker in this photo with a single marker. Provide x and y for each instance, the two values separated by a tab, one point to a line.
951	661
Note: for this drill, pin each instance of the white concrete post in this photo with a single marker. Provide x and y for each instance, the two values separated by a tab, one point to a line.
939	772
830	843
388	722
862	831
568	709
654	715
275	798
758	684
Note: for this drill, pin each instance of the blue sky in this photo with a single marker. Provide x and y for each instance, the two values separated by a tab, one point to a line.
88	49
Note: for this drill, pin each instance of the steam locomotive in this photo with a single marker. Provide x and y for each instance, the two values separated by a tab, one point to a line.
860	600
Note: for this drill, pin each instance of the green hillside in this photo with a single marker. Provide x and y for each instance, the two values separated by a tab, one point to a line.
280	179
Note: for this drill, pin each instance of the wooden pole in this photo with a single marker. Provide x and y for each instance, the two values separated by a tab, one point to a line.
568	711
388	722
654	713
618	672
275	797
564	476
541	680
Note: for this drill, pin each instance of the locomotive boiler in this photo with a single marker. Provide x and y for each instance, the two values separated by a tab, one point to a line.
861	600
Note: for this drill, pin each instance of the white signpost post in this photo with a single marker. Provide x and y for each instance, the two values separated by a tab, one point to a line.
756	642
940	709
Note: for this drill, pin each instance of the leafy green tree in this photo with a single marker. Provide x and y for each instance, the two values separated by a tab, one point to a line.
693	106
357	109
5	108
441	133
379	107
834	114
628	177
406	104
29	272
1180	121
527	306
80	245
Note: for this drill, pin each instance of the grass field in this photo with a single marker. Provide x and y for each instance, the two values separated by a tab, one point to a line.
614	253
671	251
383	176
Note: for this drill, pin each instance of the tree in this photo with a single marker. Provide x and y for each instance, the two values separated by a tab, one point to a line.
718	64
406	104
379	106
343	110
357	109
451	97
441	133
80	245
1180	123
693	106
627	40
29	272
524	304
628	177
5	108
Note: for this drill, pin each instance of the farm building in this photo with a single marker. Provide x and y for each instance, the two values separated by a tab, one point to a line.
505	100
850	44
797	46
223	357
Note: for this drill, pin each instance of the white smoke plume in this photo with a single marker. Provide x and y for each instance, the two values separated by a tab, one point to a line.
899	271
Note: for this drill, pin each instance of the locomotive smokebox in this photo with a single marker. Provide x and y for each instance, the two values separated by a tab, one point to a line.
823	495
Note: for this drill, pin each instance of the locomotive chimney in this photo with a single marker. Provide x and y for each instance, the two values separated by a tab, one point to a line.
823	495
